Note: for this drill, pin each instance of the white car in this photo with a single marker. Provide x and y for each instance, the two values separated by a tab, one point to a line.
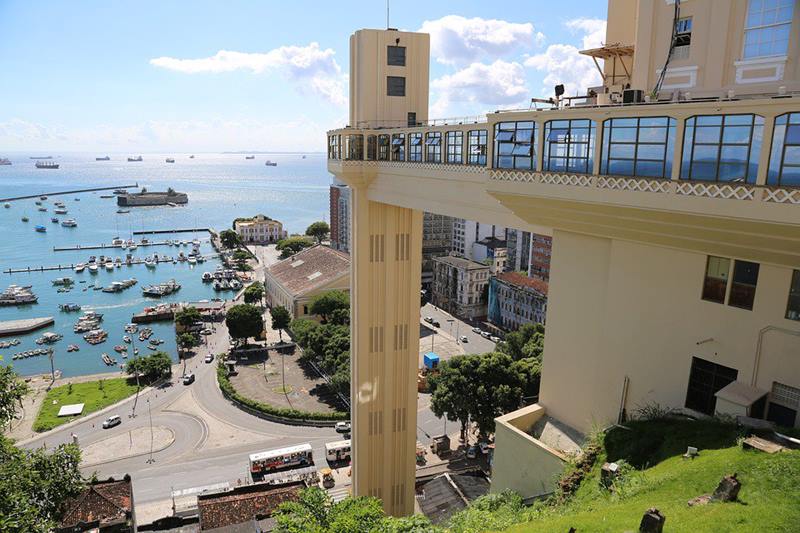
485	334
476	330
494	339
464	338
428	319
112	421
342	427
205	332
209	358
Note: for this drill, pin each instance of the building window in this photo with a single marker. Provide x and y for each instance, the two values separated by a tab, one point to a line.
515	145
371	147
705	380
433	147
415	147
683	38
333	147
767	28
354	147
455	143
395	86
793	307
569	145
783	404
383	147
743	284
396	56
399	147
722	148
784	161
716	281
476	147
638	147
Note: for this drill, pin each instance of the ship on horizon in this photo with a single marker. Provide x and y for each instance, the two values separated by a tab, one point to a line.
137	159
47	164
104	158
41	157
4	161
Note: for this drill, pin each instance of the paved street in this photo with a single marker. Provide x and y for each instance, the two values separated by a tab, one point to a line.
456	328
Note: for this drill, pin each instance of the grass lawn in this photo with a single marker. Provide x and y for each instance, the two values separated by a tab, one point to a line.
659	477
88	393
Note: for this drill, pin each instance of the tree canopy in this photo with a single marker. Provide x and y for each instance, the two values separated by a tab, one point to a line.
527	341
229	239
328	346
151	366
12	390
291	245
254	293
188	316
243	321
319	230
187	340
280	319
316	512
326	304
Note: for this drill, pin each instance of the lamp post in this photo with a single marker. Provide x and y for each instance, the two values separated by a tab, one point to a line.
150	414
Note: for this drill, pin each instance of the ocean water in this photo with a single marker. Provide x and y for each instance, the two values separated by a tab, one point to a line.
221	187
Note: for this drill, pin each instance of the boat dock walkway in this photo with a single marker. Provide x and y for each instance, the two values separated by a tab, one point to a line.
106	246
163	231
18	327
74	191
71	266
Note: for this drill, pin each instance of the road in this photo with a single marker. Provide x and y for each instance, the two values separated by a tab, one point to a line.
456	327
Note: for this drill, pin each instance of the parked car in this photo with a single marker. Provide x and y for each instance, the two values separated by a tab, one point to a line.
494	338
485	334
209	358
188	379
342	427
436	324
472	452
428	319
476	330
464	338
112	421
205	331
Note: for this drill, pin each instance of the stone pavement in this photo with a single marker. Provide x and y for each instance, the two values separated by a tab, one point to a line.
129	444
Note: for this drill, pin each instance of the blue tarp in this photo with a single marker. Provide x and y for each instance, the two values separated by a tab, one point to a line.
430	360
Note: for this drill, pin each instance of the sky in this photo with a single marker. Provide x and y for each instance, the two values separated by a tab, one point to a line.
195	76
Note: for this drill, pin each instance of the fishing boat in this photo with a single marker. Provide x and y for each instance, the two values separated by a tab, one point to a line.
120	348
60	211
43	209
249	157
106	196
207	277
107	359
73	348
120	191
69	308
123	211
25	219
116	286
109	265
150	262
191	157
235	284
126	339
7	205
80	267
96	336
40	229
163	289
69	223
192	260
54	220
61	282
4	161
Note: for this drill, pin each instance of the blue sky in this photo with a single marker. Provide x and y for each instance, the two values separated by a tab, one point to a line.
149	76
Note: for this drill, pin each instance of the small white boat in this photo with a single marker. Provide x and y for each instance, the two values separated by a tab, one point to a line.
207	277
80	267
192	260
69	223
150	263
93	269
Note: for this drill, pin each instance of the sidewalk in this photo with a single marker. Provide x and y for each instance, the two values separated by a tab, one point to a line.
129	444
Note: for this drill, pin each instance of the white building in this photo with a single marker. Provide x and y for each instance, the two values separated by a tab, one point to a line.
460	286
259	230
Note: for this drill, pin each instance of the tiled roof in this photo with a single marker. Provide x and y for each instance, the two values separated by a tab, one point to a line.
310	268
515	278
243	504
105	501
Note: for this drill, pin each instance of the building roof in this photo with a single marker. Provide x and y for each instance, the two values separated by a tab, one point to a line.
740	393
520	280
310	269
447	494
243	504
104	501
492	243
461	262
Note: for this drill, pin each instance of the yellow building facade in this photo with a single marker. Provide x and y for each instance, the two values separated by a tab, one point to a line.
674	206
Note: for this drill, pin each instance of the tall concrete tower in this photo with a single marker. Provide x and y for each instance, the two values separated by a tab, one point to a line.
388	88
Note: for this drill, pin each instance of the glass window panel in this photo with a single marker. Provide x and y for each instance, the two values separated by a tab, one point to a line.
732	172
509	126
621	167
522	149
716	279
736	134
651	151
624	122
793	133
578	149
790	177
652	134
623	134
563	124
558	135
649	122
523	136
706	153
704	171
650	169
708	120
503	136
791	155
505	161
707	134
524	162
558	163
577	165
505	148
743	285
793	306
622	151
733	153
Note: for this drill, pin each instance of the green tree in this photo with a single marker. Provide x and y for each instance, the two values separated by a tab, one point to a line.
188	316
291	245
316	512
302	328
318	230
451	389
280	319
325	304
152	366
229	239
527	341
417	523
12	390
254	293
244	321
187	341
492	512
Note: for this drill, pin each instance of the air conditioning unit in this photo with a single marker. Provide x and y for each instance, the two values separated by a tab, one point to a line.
632	96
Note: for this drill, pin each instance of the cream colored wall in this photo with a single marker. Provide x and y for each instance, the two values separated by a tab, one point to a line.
341	284
716	44
369	101
639	314
521	463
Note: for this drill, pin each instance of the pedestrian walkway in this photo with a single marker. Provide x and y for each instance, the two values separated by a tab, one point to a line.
128	444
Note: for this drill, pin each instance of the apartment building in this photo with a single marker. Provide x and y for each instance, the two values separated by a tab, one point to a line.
519	246
541	250
515	300
672	196
259	230
340	216
437	241
467	232
460	286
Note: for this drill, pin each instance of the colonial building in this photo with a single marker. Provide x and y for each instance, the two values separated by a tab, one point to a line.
460	286
259	230
294	282
515	299
103	506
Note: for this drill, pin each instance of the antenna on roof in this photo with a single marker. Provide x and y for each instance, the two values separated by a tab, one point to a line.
387	15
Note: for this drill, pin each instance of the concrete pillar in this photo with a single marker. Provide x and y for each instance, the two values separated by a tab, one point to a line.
386	272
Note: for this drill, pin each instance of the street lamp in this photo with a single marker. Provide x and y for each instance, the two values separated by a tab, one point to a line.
150	414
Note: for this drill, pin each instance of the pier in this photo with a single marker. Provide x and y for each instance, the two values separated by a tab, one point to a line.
17	327
78	247
71	266
74	191
163	231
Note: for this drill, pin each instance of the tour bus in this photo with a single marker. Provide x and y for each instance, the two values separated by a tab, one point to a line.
338	451
281	458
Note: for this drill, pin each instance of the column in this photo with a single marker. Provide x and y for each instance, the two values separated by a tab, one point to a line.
385	296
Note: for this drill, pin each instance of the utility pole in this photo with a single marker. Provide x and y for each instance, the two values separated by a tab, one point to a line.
52	368
138	386
150	414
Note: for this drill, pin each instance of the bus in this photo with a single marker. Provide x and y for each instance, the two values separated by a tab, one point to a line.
337	451
281	458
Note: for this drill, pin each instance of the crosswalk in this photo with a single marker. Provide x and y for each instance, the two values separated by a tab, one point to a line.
339	492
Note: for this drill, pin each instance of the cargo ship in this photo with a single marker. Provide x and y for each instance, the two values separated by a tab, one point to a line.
137	159
4	161
47	164
104	158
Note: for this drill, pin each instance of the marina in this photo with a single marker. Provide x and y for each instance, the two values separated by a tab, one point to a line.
25	325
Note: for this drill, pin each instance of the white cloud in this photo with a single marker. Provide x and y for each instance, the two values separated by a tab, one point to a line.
500	83
183	136
459	40
311	67
563	64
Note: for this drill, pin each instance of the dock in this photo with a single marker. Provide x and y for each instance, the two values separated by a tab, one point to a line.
19	327
73	191
164	231
71	266
79	247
